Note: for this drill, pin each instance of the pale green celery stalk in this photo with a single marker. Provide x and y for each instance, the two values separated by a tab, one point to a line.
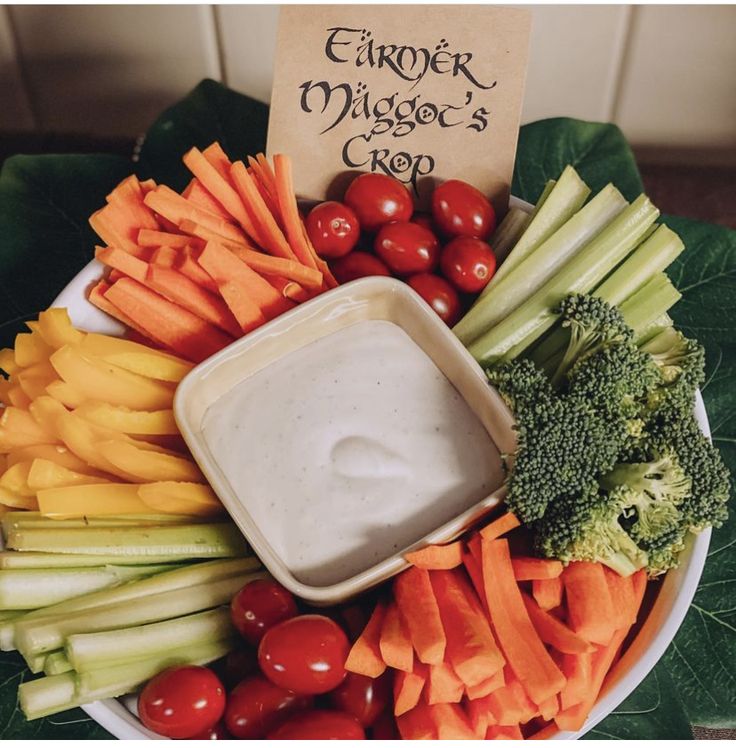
24	589
554	208
105	649
508	233
548	187
644	263
648	304
9	615
33	637
216	540
659	325
532	273
662	342
33	560
57	693
35	520
189	576
56	663
36	663
521	328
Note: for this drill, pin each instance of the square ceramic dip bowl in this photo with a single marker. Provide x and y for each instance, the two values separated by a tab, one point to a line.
346	432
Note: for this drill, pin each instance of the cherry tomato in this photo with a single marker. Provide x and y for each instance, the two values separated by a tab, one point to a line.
333	229
357	265
320	724
424	220
439	294
407	247
459	209
468	264
182	701
363	697
256	706
378	199
258	606
384	728
239	664
216	732
305	654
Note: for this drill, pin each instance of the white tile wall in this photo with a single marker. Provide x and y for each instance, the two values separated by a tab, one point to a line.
664	73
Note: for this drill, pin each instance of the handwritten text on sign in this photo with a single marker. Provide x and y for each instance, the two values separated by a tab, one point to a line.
423	107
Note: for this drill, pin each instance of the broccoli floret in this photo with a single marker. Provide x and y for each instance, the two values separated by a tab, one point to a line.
663	550
587	527
593	324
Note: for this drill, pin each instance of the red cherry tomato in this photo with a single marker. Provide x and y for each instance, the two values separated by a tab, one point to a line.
459	209
305	654
256	706
357	265
239	664
216	732
468	264
333	229
378	199
424	220
407	247
439	294
182	701
260	605
320	724
363	697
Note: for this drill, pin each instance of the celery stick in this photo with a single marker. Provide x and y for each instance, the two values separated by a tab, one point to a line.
88	652
33	637
33	560
533	318
182	578
23	589
542	199
36	663
49	695
35	520
9	615
652	330
214	540
537	269
649	303
508	232
56	663
554	209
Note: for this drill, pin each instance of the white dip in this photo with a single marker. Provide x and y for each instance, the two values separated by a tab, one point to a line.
349	450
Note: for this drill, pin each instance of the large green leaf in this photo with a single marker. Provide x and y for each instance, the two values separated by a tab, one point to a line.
44	240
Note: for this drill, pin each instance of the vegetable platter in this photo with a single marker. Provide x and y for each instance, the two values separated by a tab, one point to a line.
510	631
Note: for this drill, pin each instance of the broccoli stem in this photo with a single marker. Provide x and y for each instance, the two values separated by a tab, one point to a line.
580	275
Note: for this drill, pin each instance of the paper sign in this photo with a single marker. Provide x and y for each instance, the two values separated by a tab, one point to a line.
422	93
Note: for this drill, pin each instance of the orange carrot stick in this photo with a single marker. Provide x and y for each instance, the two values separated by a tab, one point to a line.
480	717
408	688
365	654
622	596
322	266
288	288
471	647
97	297
203	234
165	257
105	227
265	187
520	643
578	670
450	722
268	265
127	197
526	568
510	704
395	644
548	592
553	632
122	261
269	178
505	732
218	158
443	685
473	567
197	194
545	733
437	556
549	708
417	724
589	605
486	687
187	265
418	606
149	238
500	526
178	329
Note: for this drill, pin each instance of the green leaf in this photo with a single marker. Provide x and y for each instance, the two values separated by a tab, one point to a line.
210	112
598	152
45	203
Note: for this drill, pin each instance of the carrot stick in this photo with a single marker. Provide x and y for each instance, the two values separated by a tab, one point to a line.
545	733
526	568
271	235
408	688
622	597
473	567
268	265
450	722
589	605
486	687
510	704
437	556
365	655
418	606
549	708
147	185
187	265
127	197
149	238
471	648
553	632
265	188
122	261
579	673
417	724
103	225
203	234
97	297
289	289
289	210
322	266
269	178
500	526
506	732
221	189
548	592
197	194
218	158
395	644
520	643
443	685
165	257
480	717
176	287
176	209
178	329
226	268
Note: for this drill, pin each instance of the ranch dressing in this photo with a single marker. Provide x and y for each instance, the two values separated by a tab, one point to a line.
350	449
